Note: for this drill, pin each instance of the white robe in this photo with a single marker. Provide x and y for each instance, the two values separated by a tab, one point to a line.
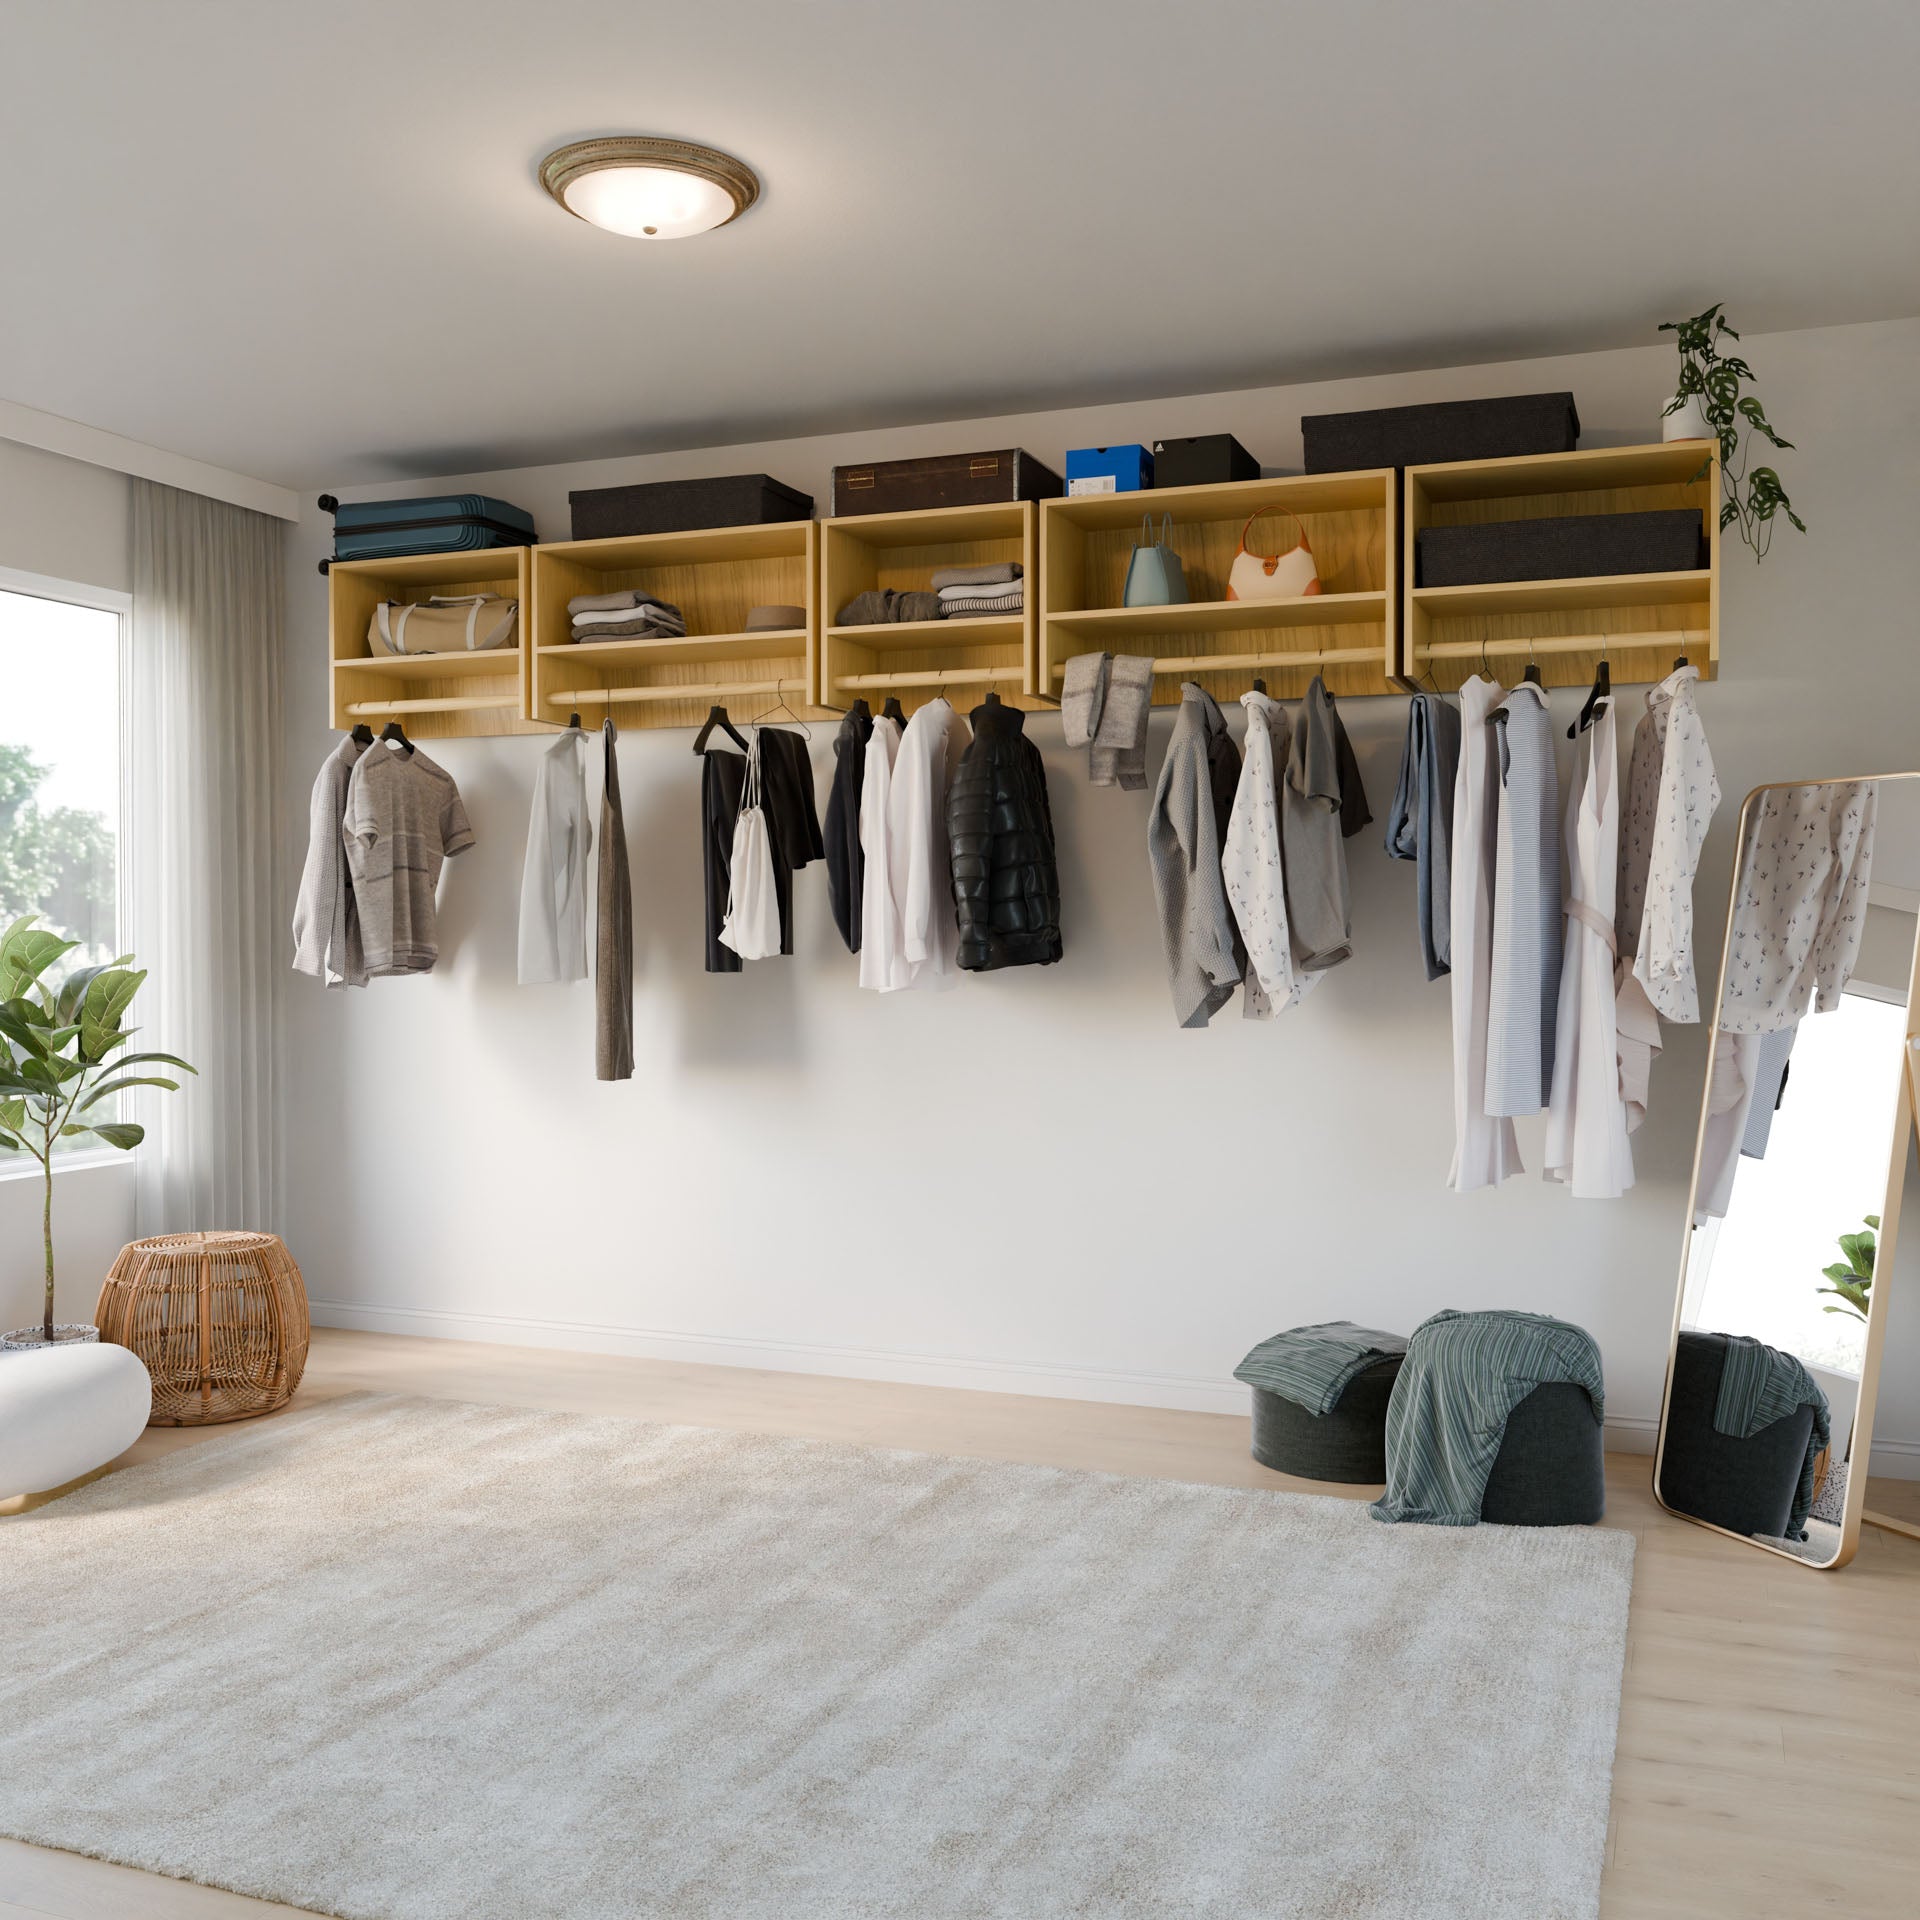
920	857
1253	867
881	959
1485	1151
1586	1115
558	874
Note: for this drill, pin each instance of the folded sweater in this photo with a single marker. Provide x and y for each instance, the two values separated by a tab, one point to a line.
994	573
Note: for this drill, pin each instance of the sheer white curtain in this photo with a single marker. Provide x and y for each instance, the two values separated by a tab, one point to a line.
201	703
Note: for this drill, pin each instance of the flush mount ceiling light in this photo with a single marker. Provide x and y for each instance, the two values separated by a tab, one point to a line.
649	189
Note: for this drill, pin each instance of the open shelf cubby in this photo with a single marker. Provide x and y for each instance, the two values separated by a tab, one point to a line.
1345	631
1639	622
914	660
715	576
434	696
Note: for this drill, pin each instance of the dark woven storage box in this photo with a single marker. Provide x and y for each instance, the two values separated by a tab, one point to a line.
1560	547
1551	1470
1347	1445
1202	460
683	506
1746	1486
1441	430
988	479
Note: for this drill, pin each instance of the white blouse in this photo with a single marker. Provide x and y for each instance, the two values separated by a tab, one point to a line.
1251	861
556	879
883	965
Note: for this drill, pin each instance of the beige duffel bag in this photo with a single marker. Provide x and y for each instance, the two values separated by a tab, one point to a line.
455	623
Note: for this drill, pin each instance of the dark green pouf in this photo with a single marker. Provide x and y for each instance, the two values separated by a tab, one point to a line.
1746	1486
1552	1466
1349	1444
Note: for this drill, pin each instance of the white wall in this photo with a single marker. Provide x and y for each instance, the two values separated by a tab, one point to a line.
1037	1181
63	518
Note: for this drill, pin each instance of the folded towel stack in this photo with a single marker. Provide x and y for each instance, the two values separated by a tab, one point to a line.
627	614
979	593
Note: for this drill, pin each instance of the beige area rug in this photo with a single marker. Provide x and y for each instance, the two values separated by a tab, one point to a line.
402	1659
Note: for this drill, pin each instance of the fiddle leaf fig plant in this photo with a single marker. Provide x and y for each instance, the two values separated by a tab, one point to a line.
61	1059
1853	1281
1754	497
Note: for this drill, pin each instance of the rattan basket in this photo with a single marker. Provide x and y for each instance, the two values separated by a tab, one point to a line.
220	1320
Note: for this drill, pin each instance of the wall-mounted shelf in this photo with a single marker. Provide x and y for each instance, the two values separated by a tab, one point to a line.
1345	632
434	696
914	659
1639	622
715	577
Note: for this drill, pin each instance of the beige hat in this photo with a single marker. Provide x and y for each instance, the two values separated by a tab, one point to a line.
761	619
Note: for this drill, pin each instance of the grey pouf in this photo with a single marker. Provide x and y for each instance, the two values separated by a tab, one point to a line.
1349	1444
1746	1486
1552	1466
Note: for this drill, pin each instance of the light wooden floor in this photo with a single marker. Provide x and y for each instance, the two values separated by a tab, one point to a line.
1769	1757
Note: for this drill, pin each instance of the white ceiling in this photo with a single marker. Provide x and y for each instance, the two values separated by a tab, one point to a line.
304	238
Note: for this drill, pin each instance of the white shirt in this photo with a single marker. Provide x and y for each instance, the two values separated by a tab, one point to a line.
555	881
919	856
880	955
1682	807
1252	864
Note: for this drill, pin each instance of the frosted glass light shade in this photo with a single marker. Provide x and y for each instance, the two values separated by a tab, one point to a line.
649	189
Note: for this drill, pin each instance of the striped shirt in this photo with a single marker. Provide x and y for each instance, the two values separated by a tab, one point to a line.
1314	1366
1464	1374
1759	1385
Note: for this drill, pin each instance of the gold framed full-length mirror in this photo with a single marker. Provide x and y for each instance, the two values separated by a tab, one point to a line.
1788	1269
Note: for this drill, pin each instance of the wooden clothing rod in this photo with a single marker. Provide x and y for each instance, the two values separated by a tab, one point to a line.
583	696
927	677
1254	662
451	703
1679	637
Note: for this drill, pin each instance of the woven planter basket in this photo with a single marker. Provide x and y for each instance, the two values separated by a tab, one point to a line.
220	1320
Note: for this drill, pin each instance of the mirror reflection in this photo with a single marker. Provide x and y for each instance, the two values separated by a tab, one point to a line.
1766	1419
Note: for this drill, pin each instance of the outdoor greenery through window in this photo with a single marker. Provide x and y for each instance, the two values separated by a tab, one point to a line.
60	772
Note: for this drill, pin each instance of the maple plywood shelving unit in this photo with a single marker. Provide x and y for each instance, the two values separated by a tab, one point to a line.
434	696
715	576
915	660
1346	631
1640	621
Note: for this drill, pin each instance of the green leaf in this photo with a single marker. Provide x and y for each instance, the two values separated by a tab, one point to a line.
26	952
152	1060
1837	1272
77	982
1728	514
122	1084
1858	1247
8	1144
1855	1296
107	998
119	1133
1872	1219
22	1032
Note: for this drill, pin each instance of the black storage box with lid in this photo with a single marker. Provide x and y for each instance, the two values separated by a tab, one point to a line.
1424	436
989	479
683	506
1560	547
1202	460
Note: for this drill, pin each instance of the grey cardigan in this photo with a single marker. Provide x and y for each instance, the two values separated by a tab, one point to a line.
1204	957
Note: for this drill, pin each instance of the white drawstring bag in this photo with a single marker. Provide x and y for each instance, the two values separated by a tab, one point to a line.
752	925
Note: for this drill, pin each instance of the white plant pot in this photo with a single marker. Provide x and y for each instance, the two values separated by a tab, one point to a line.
1688	421
65	1334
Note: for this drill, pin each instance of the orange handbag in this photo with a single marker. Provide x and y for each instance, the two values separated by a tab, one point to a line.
1287	576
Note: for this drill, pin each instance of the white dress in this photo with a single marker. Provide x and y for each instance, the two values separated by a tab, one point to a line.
556	879
1485	1151
919	855
1586	1116
882	964
1252	865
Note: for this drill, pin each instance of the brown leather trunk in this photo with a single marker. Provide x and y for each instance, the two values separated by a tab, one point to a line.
943	480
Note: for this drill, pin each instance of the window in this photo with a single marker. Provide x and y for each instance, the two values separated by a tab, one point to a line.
60	760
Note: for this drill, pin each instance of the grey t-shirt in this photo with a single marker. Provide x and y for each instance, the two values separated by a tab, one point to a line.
404	818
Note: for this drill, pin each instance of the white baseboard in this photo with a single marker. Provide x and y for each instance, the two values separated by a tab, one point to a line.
1895	1459
1180	1391
1627	1434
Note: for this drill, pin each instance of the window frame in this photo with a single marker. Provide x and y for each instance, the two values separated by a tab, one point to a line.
80	593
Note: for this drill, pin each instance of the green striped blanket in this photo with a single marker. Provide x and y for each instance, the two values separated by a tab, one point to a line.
1759	1385
1464	1373
1313	1366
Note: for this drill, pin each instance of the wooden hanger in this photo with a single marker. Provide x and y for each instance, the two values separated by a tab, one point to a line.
717	717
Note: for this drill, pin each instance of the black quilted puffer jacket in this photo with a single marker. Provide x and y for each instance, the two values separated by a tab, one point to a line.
1006	887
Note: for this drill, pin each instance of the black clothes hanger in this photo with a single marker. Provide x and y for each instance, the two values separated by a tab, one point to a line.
992	699
363	735
1601	695
860	710
1259	685
1532	674
393	731
1679	661
892	710
717	717
573	722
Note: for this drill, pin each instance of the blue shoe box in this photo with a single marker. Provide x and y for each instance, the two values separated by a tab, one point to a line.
1109	469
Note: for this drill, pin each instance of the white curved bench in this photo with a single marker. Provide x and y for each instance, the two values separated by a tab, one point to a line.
66	1412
